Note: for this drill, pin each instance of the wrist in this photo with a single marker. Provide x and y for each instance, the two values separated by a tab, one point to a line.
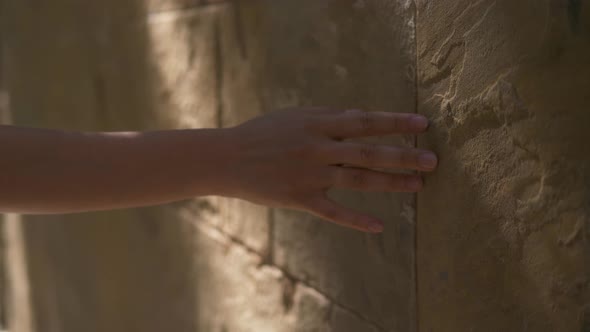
215	156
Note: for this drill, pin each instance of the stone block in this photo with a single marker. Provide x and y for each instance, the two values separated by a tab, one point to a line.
236	292
500	246
333	54
370	274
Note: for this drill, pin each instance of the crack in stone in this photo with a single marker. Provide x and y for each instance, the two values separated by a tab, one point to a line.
207	230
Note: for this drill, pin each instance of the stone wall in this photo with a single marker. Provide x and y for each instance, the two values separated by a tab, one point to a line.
502	231
497	241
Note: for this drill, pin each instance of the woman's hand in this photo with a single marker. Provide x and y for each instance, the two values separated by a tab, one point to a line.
289	158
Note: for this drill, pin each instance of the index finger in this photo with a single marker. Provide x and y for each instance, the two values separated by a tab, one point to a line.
357	123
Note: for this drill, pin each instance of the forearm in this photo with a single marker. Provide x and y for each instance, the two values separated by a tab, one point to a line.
53	171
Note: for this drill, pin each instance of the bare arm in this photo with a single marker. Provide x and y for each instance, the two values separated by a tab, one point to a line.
286	158
53	171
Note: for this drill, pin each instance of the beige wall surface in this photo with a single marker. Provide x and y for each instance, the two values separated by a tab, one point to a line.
498	241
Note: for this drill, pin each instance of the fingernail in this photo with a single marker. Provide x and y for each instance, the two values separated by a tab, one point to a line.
414	184
427	160
376	227
419	122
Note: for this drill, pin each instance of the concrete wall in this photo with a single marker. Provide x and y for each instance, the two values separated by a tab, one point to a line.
497	241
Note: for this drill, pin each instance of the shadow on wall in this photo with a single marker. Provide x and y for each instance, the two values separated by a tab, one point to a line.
91	66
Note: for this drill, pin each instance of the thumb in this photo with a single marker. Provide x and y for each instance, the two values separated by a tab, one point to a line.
325	208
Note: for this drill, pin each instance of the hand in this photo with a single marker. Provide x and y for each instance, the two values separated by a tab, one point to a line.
289	158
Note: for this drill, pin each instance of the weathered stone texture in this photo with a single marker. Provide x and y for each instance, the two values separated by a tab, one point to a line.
501	240
237	291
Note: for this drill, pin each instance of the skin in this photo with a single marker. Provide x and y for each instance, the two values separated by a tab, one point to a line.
286	158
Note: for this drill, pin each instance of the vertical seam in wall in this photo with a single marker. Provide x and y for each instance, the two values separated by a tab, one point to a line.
218	72
5	116
417	110
270	219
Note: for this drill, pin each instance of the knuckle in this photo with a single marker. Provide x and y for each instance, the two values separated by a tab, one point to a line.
358	179
396	158
366	123
338	176
407	159
396	124
309	124
368	152
406	183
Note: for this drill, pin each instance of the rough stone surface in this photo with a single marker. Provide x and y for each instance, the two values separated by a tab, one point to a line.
235	292
246	222
363	272
502	244
238	292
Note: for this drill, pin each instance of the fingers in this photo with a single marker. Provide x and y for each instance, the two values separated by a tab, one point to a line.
330	210
379	156
357	123
369	180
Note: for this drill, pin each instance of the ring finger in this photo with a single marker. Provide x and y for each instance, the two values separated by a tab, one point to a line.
369	180
379	156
